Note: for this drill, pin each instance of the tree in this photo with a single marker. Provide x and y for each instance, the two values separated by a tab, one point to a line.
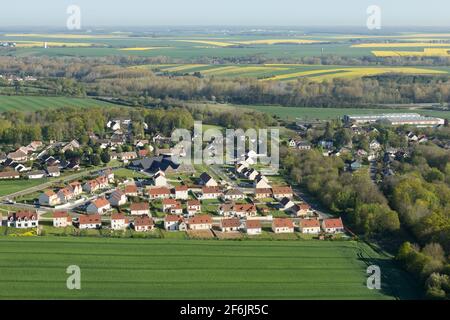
105	157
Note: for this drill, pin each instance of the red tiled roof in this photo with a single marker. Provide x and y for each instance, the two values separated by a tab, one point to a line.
181	188
173	218
90	219
192	203
230	223
333	223
169	202
263	191
143	221
118	216
139	206
100	202
253	224
60	214
158	191
211	190
282	223
310	223
23	215
282	190
131	189
203	219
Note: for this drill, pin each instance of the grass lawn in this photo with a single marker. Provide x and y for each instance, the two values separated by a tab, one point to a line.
12	186
35	268
127	173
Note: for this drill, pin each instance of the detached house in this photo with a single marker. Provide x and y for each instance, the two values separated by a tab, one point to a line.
9	175
99	206
159	193
18	156
234	194
139	209
117	198
93	221
333	225
238	210
230	225
65	195
193	207
119	222
169	204
211	193
23	220
131	190
181	192
159	179
286	204
263	193
202	222
62	219
91	186
282	192
143	224
309	226
261	182
302	210
174	223
252	227
48	198
281	225
207	181
53	171
76	187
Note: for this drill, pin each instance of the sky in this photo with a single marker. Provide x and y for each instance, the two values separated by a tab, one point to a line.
101	13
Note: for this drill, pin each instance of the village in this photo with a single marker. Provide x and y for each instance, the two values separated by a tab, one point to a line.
142	189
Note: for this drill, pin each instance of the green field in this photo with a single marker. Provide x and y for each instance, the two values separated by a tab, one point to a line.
186	269
292	113
8	187
33	103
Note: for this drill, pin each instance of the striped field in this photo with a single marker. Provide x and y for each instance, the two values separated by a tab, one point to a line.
35	268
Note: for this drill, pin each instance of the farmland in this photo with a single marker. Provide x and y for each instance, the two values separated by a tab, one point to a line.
31	103
287	71
189	269
8	187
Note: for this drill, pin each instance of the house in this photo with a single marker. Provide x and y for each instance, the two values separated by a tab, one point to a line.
22	220
102	181
36	174
72	145
176	209
181	192
49	198
18	156
282	225
251	174
139	208
241	166
119	221
109	175
374	145
99	206
301	210
234	194
53	171
282	192
211	193
143	153
131	190
263	193
174	223
143	223
127	156
168	204
62	219
91	186
159	179
202	222
117	198
76	187
193	207
326	144
159	193
207	181
230	225
286	204
141	143
309	226
252	227
8	175
93	221
333	225
303	145
261	182
65	195
292	143
237	210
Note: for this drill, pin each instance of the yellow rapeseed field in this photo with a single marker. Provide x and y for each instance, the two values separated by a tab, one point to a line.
427	52
208	42
400	45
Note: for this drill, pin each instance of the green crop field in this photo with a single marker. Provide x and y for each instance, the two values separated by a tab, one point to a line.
186	269
293	113
33	103
8	187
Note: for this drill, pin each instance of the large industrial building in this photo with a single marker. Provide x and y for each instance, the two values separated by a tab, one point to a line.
395	119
